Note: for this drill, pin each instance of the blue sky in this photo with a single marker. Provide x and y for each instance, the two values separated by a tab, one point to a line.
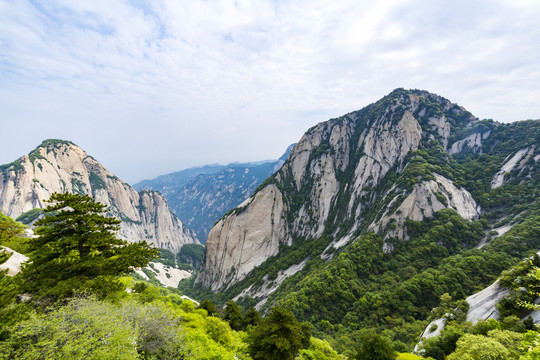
151	87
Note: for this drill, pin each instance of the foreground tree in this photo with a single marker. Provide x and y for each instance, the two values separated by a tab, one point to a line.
480	347
375	347
77	250
10	232
278	337
233	315
252	317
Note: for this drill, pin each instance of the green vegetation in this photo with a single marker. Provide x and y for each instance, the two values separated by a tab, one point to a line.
96	181
10	235
29	216
166	257
489	339
375	347
146	324
508	338
278	337
78	308
77	250
191	254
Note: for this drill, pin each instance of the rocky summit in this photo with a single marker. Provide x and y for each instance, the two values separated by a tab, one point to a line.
61	166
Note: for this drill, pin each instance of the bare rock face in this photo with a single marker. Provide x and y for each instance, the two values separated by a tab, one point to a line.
427	198
245	239
327	183
13	263
61	166
510	164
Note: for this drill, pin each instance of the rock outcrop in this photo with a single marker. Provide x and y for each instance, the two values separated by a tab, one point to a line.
425	199
246	239
14	262
327	184
510	164
61	166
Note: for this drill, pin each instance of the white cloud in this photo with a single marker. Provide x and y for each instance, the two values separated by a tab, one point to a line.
152	86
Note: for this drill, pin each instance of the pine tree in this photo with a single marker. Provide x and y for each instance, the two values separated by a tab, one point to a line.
252	317
233	315
278	337
77	249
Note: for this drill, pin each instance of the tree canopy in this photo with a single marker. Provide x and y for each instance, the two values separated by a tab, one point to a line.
375	347
10	231
279	336
77	250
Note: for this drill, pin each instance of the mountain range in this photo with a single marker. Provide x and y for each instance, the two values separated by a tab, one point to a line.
200	196
386	218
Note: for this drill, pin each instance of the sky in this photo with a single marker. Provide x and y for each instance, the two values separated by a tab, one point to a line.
150	87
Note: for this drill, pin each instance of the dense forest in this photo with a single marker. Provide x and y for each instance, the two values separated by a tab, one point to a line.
66	305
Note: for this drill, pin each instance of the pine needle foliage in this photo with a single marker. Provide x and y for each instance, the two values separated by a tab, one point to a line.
77	250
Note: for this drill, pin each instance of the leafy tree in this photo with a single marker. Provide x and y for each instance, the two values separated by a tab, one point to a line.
233	315
252	317
511	340
479	347
319	350
10	231
81	330
278	337
439	346
530	345
375	347
209	306
77	249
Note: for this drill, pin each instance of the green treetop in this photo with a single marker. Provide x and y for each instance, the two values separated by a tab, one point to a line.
233	315
77	249
278	337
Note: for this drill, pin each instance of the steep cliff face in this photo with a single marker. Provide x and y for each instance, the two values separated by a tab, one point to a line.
339	181
61	166
246	239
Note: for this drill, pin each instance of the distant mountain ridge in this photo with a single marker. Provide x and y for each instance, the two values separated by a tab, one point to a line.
200	196
62	166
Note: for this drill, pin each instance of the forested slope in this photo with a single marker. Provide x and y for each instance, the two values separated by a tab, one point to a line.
375	228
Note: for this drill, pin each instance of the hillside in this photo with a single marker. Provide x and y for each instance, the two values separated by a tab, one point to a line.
394	205
201	196
61	166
